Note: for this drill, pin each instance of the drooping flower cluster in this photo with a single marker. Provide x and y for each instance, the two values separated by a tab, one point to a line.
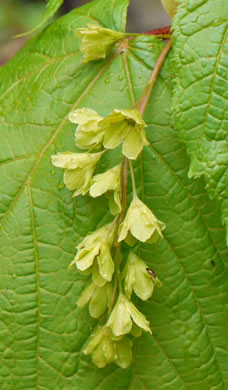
111	284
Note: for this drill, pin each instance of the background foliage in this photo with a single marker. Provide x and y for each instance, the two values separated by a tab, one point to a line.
42	331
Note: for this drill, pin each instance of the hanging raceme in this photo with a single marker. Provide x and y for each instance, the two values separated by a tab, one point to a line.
112	278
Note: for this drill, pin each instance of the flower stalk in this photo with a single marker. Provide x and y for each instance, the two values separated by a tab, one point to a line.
143	102
133	179
124	186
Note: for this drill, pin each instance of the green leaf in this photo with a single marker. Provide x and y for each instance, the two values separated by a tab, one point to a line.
200	92
51	8
43	332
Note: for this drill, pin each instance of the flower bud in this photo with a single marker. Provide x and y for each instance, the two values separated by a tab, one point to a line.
97	297
105	348
79	168
140	222
97	41
125	126
108	181
88	134
170	6
138	279
123	316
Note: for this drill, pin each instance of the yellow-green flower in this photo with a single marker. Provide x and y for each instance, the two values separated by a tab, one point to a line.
105	348
125	126
97	297
88	134
137	278
78	169
136	331
97	41
97	246
123	316
140	223
123	352
101	347
108	181
97	278
170	6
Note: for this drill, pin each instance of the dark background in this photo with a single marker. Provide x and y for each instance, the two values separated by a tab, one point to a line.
19	16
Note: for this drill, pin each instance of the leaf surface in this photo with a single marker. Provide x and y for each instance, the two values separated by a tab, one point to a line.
51	9
43	333
200	93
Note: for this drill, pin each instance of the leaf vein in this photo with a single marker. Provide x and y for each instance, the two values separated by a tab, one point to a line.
37	282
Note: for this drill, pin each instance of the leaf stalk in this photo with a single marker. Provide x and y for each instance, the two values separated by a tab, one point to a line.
143	101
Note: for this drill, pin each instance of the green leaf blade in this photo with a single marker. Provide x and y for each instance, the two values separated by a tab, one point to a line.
200	95
51	9
44	333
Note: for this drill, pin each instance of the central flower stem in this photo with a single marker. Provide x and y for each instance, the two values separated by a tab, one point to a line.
118	244
133	180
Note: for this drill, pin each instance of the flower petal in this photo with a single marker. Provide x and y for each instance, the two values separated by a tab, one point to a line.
105	262
134	143
97	278
120	320
94	341
138	318
85	258
107	181
115	203
82	116
124	352
98	302
86	295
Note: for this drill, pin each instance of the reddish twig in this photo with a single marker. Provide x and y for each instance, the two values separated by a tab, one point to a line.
142	103
159	31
